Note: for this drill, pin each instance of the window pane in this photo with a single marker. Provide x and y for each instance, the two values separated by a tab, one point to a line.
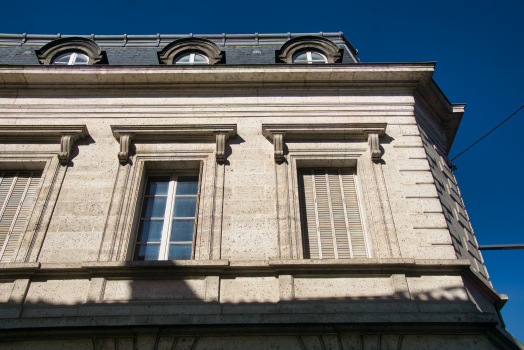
301	57
187	185
157	185
81	59
150	230
154	207
179	252
147	252
182	230
316	57
185	207
62	59
184	59
200	59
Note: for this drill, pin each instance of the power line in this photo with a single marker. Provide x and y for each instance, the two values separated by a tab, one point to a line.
487	133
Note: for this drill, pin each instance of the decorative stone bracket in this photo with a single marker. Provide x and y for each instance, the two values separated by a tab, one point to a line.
218	133
125	142
374	144
313	132
67	134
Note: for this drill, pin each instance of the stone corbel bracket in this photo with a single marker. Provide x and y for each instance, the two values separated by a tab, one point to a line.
67	134
218	133
323	132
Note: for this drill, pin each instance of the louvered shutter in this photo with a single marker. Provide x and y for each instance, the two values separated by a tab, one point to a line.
17	192
331	220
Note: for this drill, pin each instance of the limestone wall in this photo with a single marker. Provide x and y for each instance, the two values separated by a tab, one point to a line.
249	267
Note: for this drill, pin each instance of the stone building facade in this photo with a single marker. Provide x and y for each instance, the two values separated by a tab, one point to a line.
264	191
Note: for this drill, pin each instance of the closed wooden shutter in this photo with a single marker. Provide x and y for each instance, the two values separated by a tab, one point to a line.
17	192
331	220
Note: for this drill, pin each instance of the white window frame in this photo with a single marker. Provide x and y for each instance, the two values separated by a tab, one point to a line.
191	58
309	57
72	59
168	217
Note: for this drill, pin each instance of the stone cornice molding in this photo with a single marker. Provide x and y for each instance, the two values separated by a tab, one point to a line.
66	134
161	76
57	47
332	52
329	131
191	44
218	133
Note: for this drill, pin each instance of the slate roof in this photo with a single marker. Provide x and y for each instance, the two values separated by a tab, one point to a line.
19	49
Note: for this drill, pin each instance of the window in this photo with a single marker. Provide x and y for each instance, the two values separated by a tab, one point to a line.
192	58
191	51
71	58
17	192
331	221
167	226
309	57
309	49
71	51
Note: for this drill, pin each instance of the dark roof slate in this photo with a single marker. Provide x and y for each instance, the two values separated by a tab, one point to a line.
18	55
19	49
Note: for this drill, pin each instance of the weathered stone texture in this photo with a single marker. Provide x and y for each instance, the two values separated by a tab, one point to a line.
75	267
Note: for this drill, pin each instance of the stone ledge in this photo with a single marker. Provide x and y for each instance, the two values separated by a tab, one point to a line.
366	74
284	318
183	132
39	133
218	267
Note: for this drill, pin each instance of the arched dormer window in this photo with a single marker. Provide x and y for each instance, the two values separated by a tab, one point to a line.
71	51
309	57
191	58
309	49
71	58
191	51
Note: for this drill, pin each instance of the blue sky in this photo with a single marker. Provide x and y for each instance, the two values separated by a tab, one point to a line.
478	46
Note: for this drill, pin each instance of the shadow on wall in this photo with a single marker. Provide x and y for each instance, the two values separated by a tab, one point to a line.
253	305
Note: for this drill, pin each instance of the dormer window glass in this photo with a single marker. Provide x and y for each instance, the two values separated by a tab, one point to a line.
309	57
71	58
192	58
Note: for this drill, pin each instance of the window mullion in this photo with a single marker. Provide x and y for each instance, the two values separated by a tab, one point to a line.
72	59
309	57
192	58
333	233
164	243
345	211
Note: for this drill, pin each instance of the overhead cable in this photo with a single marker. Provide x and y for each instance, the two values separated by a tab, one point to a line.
487	133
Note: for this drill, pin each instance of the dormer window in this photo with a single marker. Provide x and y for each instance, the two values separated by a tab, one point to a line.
71	51
309	50
192	58
309	57
189	51
71	58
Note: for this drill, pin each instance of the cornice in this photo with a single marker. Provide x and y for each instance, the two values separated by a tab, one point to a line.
42	132
218	133
162	76
200	132
277	133
67	135
327	131
448	115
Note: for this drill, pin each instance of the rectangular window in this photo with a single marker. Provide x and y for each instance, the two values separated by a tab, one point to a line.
17	192
167	226
331	221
